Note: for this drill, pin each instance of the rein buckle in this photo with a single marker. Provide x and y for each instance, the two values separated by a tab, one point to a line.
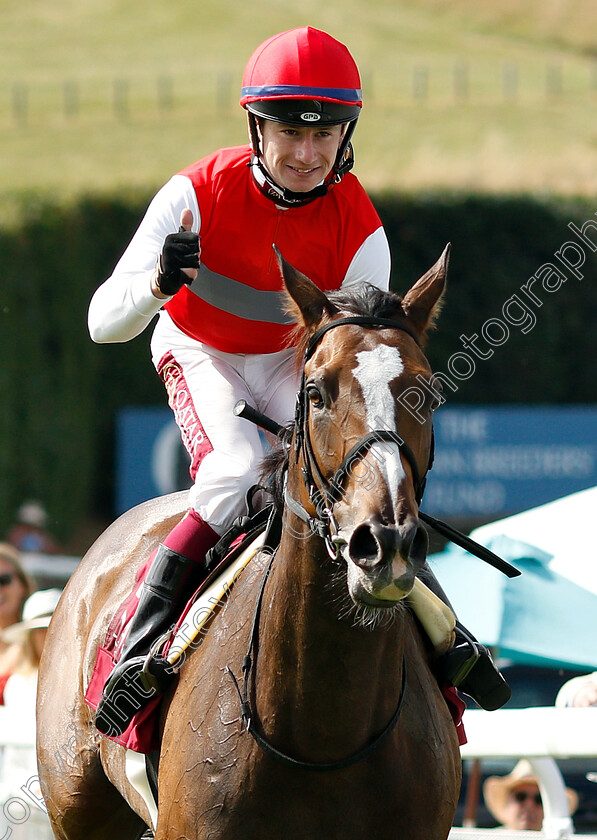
331	538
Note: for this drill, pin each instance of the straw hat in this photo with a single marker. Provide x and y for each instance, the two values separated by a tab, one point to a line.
37	613
497	788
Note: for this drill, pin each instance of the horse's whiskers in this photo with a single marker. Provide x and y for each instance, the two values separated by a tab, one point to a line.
375	618
359	615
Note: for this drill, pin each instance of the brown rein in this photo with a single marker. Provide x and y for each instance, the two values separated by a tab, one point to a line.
323	497
255	730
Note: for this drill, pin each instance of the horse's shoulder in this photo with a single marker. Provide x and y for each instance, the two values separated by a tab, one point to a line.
130	539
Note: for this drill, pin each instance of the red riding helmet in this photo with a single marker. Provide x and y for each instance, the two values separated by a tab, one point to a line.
303	77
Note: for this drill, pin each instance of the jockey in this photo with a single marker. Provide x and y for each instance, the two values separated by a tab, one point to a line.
202	258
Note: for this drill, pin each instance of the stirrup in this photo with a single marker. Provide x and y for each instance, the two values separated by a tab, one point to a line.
457	663
133	683
485	684
470	668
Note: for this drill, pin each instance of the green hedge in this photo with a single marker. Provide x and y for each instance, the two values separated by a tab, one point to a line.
497	245
60	392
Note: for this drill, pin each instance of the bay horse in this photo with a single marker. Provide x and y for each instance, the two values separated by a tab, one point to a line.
350	736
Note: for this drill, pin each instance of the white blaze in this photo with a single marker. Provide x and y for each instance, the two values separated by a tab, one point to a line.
375	370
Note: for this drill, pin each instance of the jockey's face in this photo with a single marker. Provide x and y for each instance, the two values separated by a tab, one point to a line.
299	158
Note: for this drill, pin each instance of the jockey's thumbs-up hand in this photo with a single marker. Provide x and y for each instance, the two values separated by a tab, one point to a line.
179	261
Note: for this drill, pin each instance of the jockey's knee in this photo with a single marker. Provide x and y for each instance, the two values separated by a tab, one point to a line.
220	488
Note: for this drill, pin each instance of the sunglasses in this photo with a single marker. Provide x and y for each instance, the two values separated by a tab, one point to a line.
522	796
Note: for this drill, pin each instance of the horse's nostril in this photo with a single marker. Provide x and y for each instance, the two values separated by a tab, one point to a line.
373	544
363	547
420	545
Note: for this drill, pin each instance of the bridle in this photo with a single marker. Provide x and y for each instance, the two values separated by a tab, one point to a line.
324	494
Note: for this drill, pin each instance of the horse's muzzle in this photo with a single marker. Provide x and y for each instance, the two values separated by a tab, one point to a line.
388	556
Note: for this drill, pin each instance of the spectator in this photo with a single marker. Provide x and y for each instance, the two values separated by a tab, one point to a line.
30	633
515	800
19	763
15	587
579	692
30	530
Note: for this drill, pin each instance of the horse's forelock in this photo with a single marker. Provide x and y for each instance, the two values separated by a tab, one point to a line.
364	299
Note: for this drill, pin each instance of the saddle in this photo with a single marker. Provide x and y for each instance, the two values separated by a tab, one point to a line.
255	530
141	735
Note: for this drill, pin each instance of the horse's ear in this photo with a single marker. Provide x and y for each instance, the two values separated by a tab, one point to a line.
306	302
422	303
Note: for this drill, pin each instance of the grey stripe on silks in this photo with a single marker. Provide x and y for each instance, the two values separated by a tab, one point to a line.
238	299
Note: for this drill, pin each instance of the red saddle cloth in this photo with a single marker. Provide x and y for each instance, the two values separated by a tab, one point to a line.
141	735
456	705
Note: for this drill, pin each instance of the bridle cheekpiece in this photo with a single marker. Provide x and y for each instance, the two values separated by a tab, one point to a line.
324	494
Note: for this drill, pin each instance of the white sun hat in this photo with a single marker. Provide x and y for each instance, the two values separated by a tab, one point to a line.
37	613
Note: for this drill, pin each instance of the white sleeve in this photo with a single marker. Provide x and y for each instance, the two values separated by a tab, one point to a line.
124	304
371	263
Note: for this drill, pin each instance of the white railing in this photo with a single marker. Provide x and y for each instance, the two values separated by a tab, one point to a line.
49	569
21	816
540	735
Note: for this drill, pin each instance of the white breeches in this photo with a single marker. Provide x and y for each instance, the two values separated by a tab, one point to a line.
203	386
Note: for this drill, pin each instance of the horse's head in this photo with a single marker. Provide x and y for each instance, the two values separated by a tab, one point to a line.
363	454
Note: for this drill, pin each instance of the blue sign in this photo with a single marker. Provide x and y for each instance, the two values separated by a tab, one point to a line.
150	458
489	461
494	461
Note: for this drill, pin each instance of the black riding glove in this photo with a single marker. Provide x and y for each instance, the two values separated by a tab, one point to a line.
181	250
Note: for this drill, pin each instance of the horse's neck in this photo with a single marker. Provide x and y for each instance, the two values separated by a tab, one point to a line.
316	668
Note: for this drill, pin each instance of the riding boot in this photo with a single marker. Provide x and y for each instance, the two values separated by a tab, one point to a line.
133	683
468	665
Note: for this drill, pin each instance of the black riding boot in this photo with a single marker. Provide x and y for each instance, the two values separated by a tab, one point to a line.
469	665
131	686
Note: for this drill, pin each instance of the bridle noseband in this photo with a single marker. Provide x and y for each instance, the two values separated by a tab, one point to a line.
324	494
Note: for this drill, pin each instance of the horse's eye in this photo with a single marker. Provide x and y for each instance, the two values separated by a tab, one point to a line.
314	396
436	388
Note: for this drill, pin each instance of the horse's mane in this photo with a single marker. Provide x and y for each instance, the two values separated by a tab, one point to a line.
364	299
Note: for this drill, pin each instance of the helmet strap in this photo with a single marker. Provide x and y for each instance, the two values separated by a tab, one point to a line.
287	198
279	195
345	157
254	134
